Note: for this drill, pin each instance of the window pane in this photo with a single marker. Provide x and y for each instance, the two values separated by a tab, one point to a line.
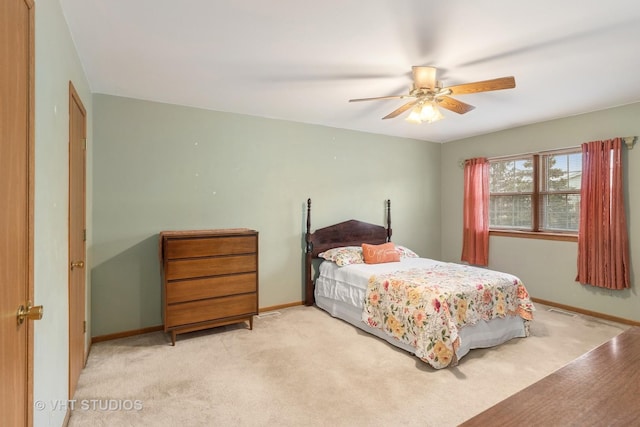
560	212
562	171
511	176
510	212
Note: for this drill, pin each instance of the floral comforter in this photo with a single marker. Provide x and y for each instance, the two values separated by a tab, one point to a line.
425	308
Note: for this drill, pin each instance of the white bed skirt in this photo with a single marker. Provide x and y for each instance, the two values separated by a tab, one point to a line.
481	335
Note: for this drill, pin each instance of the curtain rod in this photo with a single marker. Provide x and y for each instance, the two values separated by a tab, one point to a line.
628	140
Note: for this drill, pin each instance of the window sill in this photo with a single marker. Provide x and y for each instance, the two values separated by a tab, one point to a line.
535	235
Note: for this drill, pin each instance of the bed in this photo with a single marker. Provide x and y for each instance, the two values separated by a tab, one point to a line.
435	310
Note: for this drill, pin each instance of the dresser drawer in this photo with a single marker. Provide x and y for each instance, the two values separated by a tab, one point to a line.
210	287
210	246
211	309
202	267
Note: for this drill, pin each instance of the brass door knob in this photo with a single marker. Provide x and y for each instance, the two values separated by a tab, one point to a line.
33	312
77	264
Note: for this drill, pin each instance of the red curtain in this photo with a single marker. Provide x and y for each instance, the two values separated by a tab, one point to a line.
475	233
603	246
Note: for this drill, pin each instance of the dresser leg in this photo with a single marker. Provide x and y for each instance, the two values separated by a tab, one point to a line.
173	338
251	323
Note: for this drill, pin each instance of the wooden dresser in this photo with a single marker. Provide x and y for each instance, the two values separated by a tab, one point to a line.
210	278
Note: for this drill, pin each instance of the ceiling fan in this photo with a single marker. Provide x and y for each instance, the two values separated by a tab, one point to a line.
428	94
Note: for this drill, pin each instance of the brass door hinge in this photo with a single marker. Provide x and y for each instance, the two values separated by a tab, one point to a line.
84	235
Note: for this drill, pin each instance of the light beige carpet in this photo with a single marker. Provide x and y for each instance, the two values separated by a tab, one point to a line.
303	367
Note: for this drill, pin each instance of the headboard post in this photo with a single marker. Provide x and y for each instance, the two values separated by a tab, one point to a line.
308	288
389	220
308	235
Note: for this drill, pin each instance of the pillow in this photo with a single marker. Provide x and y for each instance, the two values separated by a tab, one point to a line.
377	254
344	255
406	252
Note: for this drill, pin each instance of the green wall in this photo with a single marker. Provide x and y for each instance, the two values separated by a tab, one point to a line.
166	167
548	268
56	63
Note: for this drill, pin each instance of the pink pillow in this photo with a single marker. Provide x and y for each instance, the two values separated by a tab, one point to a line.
377	254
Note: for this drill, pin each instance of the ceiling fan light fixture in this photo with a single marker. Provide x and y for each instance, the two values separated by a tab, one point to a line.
415	116
430	112
425	112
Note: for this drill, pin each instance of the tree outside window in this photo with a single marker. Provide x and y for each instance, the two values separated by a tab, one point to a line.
536	192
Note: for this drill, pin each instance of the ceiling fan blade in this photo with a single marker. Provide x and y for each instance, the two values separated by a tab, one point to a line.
454	105
402	109
424	77
483	86
379	97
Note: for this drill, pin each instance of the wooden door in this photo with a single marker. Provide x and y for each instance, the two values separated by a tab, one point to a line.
77	233
16	211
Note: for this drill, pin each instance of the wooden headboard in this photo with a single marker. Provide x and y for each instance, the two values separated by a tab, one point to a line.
347	233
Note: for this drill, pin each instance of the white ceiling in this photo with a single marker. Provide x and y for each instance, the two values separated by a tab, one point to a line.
302	60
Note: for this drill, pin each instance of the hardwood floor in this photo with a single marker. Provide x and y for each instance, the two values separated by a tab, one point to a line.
601	387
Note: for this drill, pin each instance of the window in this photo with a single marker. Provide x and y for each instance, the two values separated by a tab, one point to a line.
536	192
560	179
511	193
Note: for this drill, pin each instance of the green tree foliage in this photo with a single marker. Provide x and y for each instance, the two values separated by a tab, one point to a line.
512	191
511	187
